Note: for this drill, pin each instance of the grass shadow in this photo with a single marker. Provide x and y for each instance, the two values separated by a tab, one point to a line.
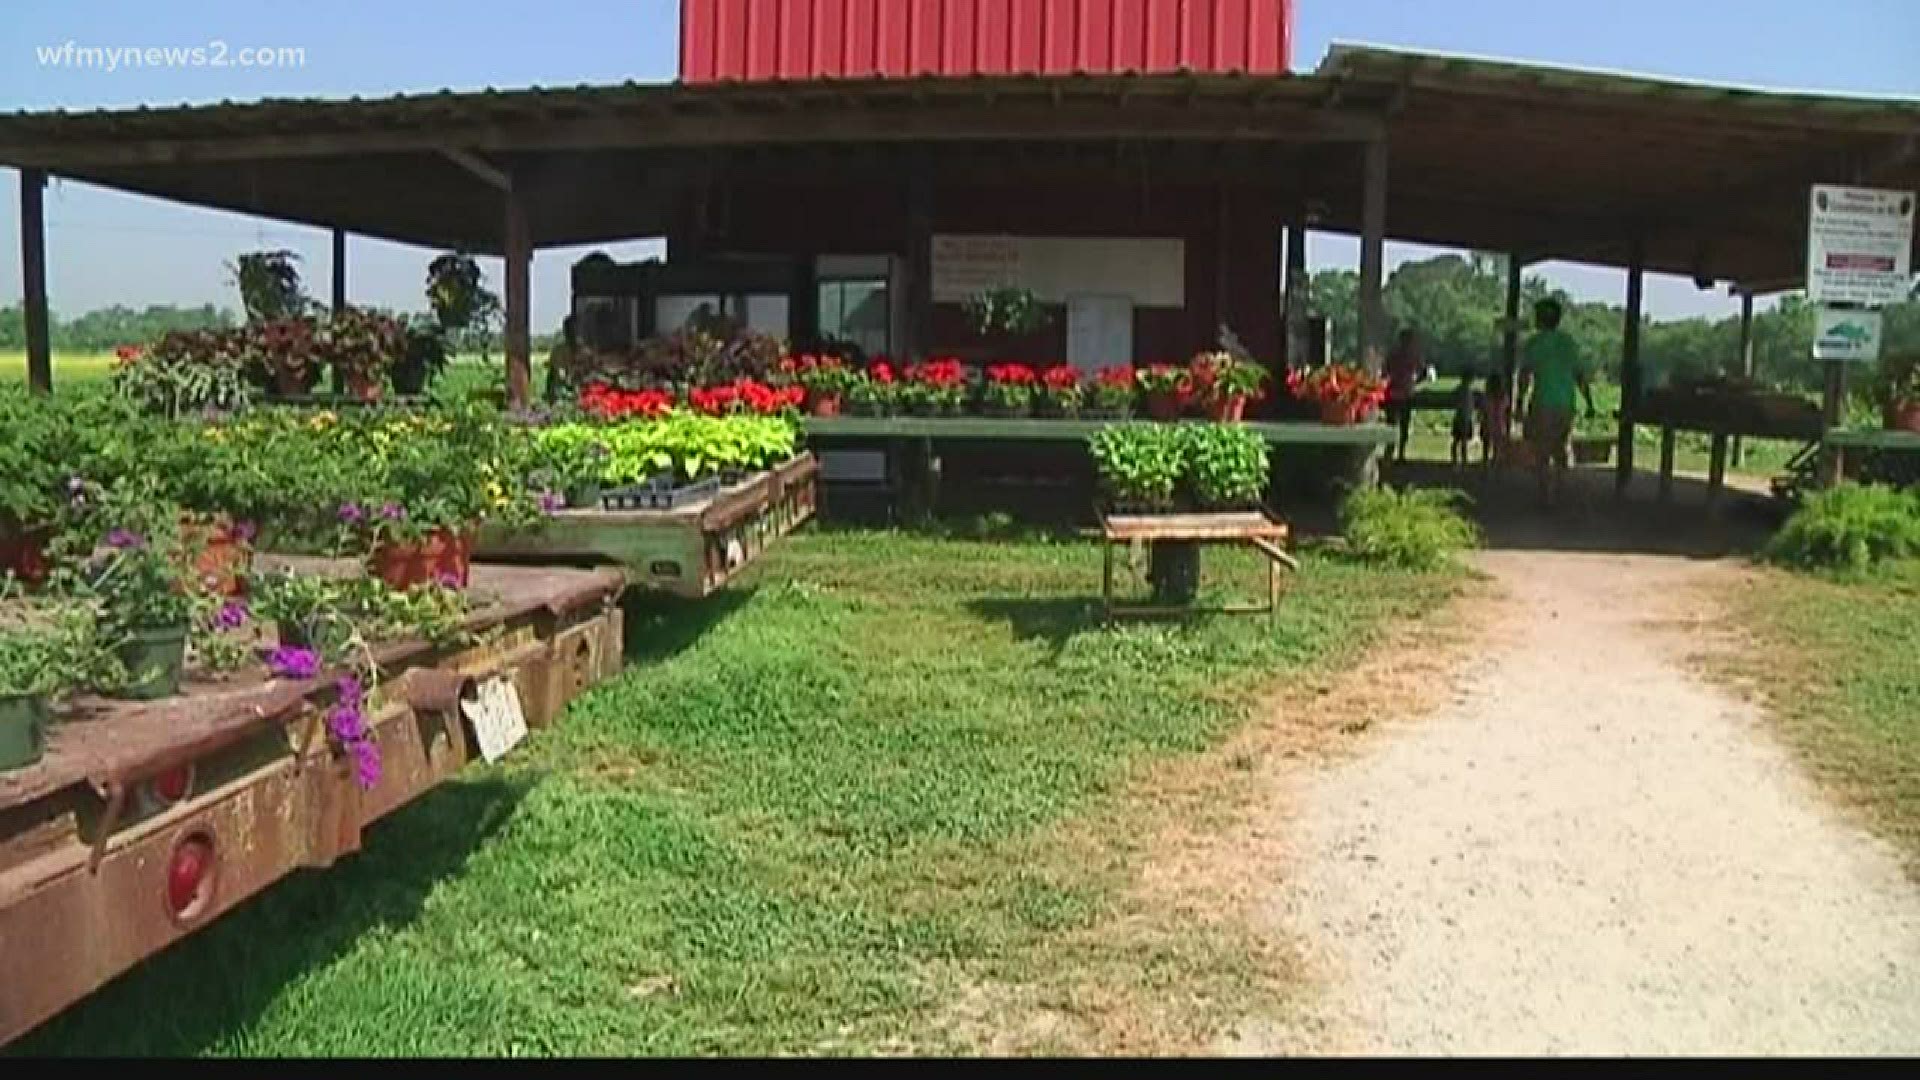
660	626
215	984
1054	620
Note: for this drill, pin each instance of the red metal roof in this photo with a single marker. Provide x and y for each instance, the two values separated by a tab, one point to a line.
753	40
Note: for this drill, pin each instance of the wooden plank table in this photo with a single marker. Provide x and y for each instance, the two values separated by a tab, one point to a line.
1255	528
1279	433
1876	440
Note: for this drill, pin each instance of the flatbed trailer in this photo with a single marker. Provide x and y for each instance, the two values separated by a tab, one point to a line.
688	551
146	821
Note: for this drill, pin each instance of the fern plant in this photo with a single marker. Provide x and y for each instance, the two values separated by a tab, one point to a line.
1850	527
1410	528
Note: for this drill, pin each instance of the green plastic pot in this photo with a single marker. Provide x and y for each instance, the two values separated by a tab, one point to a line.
23	730
153	659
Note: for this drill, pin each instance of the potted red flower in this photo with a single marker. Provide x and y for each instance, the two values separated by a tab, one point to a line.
1168	389
363	347
1061	393
606	402
935	388
1225	384
1009	390
1110	395
824	379
1345	394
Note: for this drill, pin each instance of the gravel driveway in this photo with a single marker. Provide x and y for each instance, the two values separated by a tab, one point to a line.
1588	849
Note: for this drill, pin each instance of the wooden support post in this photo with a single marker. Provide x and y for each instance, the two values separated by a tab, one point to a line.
919	254
33	277
1716	469
1510	334
1373	234
1746	362
339	270
1630	365
518	250
1833	411
1298	294
338	381
1668	437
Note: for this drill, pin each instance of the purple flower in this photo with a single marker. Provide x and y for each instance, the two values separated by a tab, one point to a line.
393	512
346	723
244	531
366	763
125	539
349	690
231	616
291	662
550	502
351	514
447	579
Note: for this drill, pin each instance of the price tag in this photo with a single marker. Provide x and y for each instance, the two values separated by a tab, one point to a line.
499	721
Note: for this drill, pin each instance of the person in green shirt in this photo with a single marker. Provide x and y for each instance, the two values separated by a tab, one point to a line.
1551	372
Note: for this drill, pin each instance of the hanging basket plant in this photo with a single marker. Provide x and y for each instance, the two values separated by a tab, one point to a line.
1006	309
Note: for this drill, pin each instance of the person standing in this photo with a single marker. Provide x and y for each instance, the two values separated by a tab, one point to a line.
1495	408
563	363
1552	371
1466	404
1403	373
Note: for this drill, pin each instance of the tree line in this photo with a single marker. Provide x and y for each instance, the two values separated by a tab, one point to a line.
1455	302
108	328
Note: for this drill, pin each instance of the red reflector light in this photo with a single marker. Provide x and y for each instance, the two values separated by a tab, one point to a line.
190	877
172	785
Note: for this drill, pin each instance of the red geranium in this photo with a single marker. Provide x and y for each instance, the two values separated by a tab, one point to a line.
1118	376
1061	377
1011	374
944	373
880	371
608	403
127	354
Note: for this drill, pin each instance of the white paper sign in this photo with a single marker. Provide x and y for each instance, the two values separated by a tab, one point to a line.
499	721
965	265
1843	334
1859	245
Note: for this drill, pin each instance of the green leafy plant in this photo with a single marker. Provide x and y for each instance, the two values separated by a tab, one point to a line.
361	345
1408	528
870	396
1897	380
342	617
424	356
49	648
186	371
1005	309
121	548
1226	464
1849	527
1219	375
1139	464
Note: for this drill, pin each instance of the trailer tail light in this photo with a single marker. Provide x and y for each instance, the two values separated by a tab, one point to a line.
190	877
171	786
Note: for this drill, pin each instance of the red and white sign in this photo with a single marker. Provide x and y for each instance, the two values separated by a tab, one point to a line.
1859	245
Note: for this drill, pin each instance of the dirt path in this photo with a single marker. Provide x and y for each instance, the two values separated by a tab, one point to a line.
1586	849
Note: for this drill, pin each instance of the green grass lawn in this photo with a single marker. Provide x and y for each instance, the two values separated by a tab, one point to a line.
67	366
799	813
1839	661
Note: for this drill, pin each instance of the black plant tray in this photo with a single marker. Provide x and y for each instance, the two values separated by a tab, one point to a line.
657	495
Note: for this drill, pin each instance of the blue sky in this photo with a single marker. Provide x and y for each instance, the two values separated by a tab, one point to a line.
106	247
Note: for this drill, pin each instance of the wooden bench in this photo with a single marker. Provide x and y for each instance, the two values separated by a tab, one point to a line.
1255	528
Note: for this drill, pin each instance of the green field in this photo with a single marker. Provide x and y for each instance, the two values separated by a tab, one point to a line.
808	816
67	367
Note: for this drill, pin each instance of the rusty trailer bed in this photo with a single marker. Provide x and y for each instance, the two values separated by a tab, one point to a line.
243	768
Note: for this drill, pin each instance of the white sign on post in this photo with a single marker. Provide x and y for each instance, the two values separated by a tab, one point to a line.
1846	334
1859	245
499	721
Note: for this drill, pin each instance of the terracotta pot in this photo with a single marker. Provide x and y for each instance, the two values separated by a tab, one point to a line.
288	383
1903	415
23	552
221	556
366	388
442	555
1345	413
1165	405
1228	409
824	405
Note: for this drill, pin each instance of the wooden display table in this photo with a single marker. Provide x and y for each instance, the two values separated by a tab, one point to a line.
1256	528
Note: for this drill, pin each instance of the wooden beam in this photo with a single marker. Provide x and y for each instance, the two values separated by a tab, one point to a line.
478	166
1630	364
919	259
33	275
1298	291
654	129
518	246
1373	234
